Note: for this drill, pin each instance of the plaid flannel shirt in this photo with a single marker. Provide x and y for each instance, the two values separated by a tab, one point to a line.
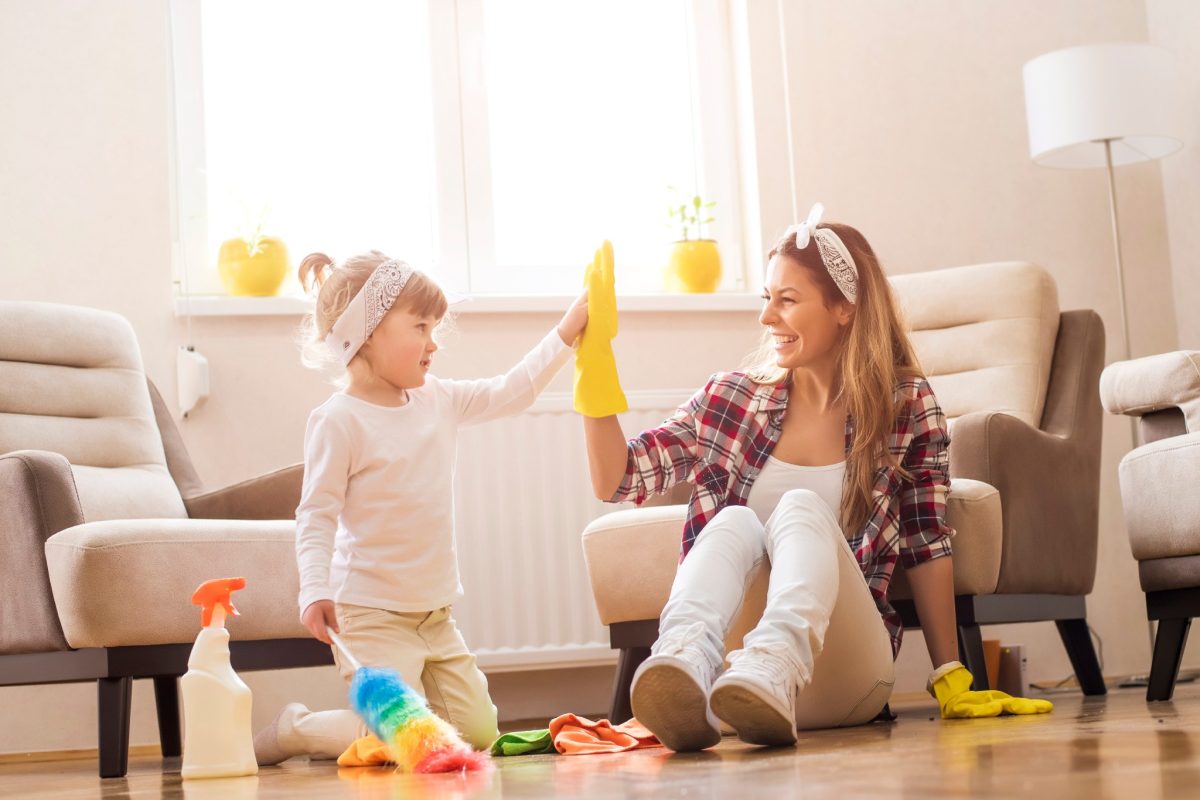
720	439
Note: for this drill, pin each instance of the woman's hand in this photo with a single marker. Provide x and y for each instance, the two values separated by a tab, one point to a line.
574	321
318	617
950	685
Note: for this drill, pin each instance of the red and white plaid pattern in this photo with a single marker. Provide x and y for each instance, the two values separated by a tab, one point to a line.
720	439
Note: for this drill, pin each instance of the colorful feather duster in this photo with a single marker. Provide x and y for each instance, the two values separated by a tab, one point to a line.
420	740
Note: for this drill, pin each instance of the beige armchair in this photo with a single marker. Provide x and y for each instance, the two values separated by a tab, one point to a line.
1018	382
1159	482
105	528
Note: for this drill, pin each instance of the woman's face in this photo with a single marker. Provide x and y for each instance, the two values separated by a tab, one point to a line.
401	348
806	332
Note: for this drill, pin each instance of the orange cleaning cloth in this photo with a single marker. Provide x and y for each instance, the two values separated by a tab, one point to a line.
366	752
574	735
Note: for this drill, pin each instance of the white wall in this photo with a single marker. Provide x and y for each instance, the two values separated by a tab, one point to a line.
1175	25
910	124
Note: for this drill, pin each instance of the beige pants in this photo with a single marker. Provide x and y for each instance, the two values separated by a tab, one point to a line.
430	655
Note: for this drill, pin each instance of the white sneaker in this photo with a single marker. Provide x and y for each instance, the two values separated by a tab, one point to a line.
756	696
670	693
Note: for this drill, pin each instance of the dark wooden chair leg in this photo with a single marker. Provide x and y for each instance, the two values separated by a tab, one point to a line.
630	659
114	697
166	702
1078	642
1168	652
970	653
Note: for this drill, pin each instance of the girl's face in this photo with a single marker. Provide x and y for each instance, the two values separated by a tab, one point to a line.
806	332
401	348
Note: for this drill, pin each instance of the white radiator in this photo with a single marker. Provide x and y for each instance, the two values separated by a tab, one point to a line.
522	499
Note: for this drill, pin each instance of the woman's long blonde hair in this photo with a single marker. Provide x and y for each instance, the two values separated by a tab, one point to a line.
335	286
874	354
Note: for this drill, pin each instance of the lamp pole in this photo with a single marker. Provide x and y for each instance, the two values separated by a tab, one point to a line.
1133	421
1116	229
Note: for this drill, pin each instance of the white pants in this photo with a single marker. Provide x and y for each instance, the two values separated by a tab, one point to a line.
430	655
818	604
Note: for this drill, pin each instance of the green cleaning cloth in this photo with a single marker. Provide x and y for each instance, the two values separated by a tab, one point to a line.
523	743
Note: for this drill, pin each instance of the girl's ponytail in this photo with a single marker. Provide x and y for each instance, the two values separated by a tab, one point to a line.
313	272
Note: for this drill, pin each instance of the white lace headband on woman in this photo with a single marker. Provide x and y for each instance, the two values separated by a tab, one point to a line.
834	255
367	308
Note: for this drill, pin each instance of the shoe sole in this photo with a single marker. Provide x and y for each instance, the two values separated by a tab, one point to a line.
673	707
755	720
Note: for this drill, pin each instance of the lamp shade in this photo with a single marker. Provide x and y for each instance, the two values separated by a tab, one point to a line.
1076	98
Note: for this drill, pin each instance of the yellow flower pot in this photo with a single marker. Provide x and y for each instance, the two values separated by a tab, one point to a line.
694	266
252	273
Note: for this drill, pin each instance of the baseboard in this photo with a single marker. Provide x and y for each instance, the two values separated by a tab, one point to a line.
85	754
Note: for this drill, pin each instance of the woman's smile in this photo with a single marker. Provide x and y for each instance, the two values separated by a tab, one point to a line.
784	340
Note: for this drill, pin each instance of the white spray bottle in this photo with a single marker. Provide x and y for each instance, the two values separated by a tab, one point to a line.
218	741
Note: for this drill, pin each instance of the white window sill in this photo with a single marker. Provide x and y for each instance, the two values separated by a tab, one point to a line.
224	306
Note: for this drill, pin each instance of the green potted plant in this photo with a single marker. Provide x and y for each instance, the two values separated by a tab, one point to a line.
694	264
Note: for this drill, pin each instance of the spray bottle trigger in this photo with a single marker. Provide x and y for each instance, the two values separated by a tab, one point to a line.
216	592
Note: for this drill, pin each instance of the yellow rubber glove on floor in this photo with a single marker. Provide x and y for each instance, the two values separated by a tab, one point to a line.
597	387
950	684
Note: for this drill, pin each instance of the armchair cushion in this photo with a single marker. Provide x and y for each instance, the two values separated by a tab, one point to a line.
1162	506
37	500
71	382
129	582
1149	384
985	335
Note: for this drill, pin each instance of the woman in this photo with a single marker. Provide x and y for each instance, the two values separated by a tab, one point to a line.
828	457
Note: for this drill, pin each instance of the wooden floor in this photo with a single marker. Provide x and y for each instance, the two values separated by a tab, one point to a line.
1116	746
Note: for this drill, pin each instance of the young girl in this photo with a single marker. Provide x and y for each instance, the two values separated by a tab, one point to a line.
375	525
829	459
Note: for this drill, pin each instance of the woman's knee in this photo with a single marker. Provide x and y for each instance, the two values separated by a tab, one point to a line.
801	498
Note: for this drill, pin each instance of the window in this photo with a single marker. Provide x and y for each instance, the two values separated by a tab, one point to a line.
491	142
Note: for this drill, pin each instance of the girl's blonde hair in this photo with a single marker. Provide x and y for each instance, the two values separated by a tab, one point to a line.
874	354
335	286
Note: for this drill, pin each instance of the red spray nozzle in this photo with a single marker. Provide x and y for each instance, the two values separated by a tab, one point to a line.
216	592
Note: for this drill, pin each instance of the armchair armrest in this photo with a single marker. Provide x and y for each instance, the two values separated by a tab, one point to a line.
1146	385
37	500
271	496
631	558
1049	491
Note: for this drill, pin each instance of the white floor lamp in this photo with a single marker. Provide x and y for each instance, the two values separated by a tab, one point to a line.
1103	106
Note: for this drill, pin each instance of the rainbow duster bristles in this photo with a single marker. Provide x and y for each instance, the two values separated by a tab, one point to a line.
420	740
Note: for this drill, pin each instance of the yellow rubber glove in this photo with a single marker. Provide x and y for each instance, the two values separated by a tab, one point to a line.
597	387
950	684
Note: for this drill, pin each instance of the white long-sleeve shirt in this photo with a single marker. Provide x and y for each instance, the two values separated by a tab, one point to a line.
375	524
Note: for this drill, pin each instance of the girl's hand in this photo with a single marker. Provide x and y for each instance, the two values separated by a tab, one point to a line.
318	617
574	321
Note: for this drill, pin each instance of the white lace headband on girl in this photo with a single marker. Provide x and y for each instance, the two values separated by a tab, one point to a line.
367	308
834	255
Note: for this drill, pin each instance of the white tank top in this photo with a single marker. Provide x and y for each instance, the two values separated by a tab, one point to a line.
777	477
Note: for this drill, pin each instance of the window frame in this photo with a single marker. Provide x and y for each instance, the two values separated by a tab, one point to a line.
462	202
